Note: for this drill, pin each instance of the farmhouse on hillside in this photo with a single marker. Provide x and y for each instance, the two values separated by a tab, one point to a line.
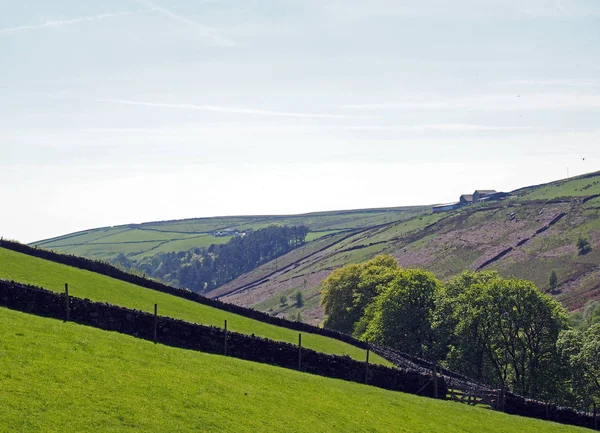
466	199
446	207
480	195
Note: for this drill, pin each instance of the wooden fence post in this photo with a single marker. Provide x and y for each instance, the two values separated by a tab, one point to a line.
225	340
501	398
435	381
67	306
367	366
155	322
299	352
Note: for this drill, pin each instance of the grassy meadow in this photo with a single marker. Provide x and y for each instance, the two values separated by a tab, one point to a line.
84	284
139	241
64	377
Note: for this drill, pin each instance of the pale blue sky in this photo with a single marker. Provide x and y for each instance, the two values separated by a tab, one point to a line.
128	111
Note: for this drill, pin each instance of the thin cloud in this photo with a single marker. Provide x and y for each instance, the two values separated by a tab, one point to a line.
235	110
209	34
498	102
438	127
61	23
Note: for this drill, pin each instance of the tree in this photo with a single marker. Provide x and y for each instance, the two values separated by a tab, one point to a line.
516	326
402	316
591	313
581	351
337	296
283	300
202	269
458	332
553	280
299	299
347	291
583	245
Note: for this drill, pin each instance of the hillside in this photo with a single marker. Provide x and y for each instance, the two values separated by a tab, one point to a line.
527	235
85	284
83	379
143	241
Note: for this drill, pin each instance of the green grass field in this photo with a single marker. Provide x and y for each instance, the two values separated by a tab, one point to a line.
63	377
144	240
575	187
84	284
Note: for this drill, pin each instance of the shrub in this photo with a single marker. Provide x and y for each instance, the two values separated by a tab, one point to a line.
583	245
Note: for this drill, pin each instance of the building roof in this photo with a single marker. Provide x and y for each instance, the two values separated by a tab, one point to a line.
447	204
467	197
484	191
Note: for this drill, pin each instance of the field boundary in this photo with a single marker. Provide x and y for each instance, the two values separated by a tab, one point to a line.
210	339
108	270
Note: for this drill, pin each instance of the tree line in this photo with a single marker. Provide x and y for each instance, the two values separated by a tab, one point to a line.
203	269
502	332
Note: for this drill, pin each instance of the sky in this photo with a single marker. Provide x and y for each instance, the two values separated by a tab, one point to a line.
126	111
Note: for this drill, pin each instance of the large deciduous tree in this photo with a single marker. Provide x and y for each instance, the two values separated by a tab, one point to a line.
402	316
506	332
348	291
581	351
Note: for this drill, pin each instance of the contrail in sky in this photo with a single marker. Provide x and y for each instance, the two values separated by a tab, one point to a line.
210	35
60	23
233	110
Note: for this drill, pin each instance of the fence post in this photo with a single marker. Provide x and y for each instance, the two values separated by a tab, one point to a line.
435	381
299	352
155	322
367	366
225	340
501	398
67	306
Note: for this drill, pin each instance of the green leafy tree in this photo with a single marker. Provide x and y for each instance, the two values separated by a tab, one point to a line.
337	297
348	291
581	351
459	334
589	315
402	316
283	299
502	332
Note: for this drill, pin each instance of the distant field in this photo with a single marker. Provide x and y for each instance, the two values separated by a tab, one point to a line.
138	241
575	187
63	377
84	284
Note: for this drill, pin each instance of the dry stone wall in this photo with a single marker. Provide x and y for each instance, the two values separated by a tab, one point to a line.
187	335
104	268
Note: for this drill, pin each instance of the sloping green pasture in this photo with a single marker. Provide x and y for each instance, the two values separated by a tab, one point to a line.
84	284
64	377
